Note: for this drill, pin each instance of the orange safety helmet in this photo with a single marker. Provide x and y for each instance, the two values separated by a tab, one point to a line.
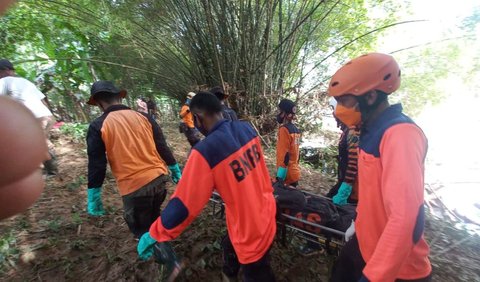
374	71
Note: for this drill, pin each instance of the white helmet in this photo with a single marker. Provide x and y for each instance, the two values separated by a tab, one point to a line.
190	95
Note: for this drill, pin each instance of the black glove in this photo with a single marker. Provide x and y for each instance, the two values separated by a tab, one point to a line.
171	265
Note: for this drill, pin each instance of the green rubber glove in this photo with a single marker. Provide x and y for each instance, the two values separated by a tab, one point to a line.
342	195
94	202
176	173
282	173
145	246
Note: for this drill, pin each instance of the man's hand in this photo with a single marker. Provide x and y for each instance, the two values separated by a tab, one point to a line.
350	232
145	246
176	173
342	195
282	173
94	202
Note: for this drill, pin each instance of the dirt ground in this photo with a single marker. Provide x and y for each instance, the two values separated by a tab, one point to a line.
55	240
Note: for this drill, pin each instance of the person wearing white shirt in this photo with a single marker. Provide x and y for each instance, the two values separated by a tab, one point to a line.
27	93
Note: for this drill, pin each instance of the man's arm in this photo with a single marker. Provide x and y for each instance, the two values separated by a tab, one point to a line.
184	111
283	153
192	194
283	147
160	142
402	152
97	160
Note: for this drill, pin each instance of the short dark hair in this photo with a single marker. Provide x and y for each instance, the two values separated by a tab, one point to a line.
107	97
6	65
206	102
218	92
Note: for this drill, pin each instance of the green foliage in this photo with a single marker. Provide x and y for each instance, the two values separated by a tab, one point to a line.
47	49
78	131
78	245
324	159
260	50
77	183
53	225
8	250
425	67
23	223
434	70
77	219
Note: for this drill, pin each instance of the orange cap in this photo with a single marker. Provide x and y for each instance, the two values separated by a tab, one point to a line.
374	71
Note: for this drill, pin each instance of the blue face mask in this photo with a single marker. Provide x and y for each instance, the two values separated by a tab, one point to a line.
188	101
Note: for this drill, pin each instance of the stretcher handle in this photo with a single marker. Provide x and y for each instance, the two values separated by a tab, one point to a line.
332	242
334	231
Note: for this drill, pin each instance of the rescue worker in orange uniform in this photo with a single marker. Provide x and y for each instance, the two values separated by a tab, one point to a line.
389	243
230	160
288	143
187	125
138	155
346	189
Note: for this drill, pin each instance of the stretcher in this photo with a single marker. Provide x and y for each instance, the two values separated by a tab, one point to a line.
289	226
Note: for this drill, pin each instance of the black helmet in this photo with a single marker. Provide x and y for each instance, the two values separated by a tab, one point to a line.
287	106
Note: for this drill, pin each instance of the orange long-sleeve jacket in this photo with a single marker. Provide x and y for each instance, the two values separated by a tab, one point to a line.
134	145
390	212
229	159
288	151
187	116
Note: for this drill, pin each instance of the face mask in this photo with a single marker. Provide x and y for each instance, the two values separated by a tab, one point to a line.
188	102
197	125
348	116
280	118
